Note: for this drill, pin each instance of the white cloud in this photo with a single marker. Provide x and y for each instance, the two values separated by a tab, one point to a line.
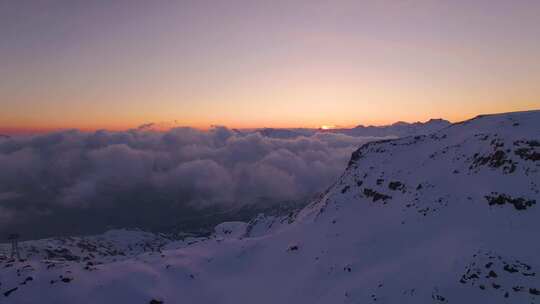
106	172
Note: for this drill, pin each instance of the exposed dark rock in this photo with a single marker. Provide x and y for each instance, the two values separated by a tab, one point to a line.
439	298
517	288
510	268
293	248
496	159
61	254
7	293
376	195
483	278
28	279
528	154
355	156
396	185
66	279
501	199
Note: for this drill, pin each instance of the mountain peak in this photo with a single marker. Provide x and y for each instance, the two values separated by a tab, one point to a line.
397	129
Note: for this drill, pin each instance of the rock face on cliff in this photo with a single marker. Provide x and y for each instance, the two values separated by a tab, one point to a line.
448	217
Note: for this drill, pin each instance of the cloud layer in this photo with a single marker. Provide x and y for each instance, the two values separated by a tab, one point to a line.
140	177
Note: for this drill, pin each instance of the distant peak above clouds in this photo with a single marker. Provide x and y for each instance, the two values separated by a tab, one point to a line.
398	129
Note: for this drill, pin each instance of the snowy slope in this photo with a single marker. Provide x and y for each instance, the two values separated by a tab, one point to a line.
451	217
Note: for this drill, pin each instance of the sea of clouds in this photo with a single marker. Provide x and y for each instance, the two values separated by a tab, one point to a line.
65	181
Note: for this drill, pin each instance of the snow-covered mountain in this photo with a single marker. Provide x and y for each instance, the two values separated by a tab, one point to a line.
398	129
449	217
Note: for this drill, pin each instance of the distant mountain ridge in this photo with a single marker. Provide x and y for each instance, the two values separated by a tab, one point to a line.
398	129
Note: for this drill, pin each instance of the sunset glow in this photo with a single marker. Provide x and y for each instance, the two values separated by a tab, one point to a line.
120	64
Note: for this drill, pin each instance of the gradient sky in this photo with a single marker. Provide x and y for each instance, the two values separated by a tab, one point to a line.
117	64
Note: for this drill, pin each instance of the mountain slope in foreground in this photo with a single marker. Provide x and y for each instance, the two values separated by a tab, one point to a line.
451	217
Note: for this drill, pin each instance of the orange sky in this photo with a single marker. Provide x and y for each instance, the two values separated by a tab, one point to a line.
245	64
